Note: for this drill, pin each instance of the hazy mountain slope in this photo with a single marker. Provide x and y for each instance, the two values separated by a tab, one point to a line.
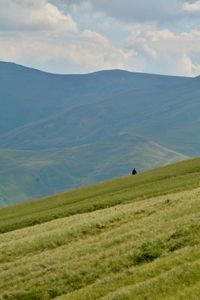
32	174
140	111
179	119
132	238
79	120
27	95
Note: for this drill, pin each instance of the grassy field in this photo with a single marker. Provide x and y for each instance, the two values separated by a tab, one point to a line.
130	238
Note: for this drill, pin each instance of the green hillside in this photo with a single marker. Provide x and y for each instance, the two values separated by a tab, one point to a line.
135	237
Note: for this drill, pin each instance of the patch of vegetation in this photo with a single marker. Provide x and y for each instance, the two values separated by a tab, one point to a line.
28	296
183	237
149	251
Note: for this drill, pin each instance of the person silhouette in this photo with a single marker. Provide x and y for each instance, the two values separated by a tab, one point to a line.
134	172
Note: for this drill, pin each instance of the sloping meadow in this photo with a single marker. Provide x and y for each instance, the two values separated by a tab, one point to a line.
143	247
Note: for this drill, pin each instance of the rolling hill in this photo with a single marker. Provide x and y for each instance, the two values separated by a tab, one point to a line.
133	237
64	131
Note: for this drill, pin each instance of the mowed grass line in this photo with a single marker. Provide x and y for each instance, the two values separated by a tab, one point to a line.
134	276
174	178
191	292
68	256
161	287
47	235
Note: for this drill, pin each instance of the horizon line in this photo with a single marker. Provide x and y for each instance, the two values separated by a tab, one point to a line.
94	72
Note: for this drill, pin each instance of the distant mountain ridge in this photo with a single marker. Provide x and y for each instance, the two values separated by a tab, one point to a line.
35	94
62	131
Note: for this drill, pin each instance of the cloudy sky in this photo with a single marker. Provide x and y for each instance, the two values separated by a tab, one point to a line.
80	36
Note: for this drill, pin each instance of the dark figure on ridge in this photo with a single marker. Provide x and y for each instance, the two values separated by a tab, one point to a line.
134	172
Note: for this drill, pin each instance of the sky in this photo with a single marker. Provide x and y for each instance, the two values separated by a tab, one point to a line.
81	36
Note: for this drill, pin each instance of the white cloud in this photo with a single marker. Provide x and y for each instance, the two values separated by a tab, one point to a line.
192	7
166	52
189	68
161	12
39	33
36	33
33	15
84	52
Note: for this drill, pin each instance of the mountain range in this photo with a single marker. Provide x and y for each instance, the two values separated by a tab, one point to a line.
62	131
